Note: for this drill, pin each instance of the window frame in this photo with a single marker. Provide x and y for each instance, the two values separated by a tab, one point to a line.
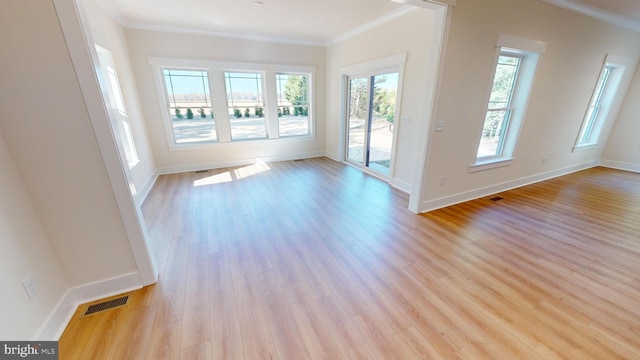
263	100
593	123
308	105
217	89
168	123
529	52
510	107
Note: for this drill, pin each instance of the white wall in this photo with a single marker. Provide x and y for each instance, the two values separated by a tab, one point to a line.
49	134
566	76
144	44
410	33
110	35
25	250
623	147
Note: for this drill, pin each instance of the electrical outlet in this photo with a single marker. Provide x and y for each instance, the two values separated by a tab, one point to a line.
442	180
30	287
440	125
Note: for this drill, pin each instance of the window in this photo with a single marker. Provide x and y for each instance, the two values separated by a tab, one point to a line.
211	103
189	106
115	105
293	104
246	105
514	70
496	122
600	103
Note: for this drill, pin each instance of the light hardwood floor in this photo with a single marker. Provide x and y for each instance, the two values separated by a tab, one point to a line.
315	260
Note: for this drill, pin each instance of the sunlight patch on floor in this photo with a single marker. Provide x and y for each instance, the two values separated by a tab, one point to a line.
237	174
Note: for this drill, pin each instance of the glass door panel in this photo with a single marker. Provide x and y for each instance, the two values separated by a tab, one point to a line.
357	121
383	110
371	120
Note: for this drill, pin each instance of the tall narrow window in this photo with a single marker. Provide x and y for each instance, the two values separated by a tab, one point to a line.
246	105
115	103
594	107
293	104
600	102
514	72
496	122
190	108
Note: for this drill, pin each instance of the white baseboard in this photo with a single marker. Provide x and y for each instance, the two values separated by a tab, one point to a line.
62	314
401	185
435	204
242	162
620	165
332	156
146	188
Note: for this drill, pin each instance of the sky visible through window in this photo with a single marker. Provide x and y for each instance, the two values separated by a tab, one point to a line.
188	87
189	82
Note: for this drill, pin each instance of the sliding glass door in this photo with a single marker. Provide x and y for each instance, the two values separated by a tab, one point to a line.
371	120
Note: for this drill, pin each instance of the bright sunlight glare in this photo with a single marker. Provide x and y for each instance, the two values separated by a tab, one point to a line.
251	170
237	174
214	179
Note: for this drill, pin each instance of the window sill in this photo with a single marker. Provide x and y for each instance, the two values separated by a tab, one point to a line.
584	147
133	164
240	143
483	165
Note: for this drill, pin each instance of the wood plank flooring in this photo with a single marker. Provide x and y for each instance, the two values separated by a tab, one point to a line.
315	260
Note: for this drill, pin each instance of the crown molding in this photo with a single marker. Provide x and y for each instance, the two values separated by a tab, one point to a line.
596	13
181	30
429	4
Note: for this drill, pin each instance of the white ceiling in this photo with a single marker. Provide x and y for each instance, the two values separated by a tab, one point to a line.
627	8
305	21
301	21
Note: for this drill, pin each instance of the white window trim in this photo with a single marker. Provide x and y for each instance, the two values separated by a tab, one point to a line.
532	51
391	63
490	164
116	107
217	89
265	100
274	109
619	66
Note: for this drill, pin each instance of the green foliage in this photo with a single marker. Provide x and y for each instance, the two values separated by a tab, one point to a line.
259	111
358	98
300	111
279	112
202	114
247	113
189	114
211	112
493	123
295	90
384	100
391	113
179	113
236	113
501	92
